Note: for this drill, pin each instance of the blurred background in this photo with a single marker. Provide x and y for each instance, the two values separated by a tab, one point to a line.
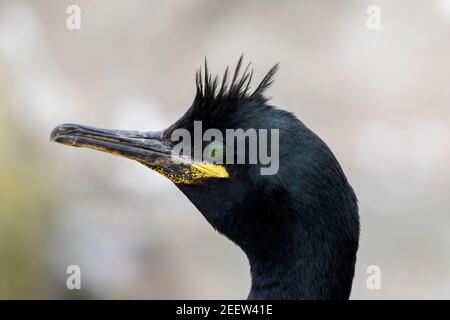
379	98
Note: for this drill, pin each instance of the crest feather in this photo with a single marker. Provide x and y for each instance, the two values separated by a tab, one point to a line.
216	100
210	91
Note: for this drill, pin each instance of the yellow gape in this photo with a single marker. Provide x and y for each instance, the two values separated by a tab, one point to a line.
196	172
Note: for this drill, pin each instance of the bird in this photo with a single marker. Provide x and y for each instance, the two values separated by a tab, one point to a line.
298	227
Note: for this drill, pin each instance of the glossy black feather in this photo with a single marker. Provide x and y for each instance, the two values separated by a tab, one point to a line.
300	227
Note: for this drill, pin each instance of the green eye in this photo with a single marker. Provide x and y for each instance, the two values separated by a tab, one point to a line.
215	151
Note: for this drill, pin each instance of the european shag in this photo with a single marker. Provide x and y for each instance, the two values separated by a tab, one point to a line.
299	227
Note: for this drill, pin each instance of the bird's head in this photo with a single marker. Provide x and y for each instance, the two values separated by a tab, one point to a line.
247	166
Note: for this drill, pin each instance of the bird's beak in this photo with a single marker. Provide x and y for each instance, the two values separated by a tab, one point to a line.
146	147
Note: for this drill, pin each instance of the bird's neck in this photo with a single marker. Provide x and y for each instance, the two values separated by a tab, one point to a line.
293	251
271	280
294	272
294	260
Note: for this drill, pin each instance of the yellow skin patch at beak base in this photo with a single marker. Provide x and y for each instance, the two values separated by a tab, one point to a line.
202	170
211	170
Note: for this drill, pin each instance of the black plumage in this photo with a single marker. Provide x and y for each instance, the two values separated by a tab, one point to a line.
300	227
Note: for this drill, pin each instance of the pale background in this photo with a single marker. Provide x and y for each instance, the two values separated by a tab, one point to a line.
379	98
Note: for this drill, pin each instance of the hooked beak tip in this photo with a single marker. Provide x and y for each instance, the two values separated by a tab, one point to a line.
56	132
